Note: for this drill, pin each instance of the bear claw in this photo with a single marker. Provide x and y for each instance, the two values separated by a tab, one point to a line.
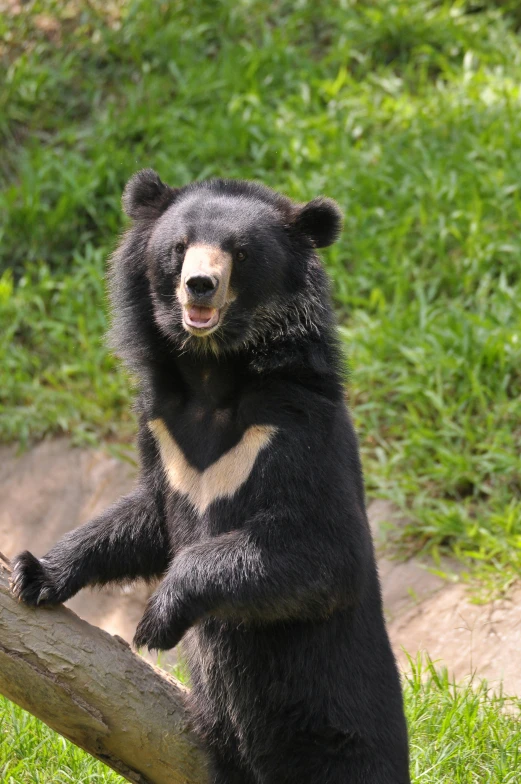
30	582
157	632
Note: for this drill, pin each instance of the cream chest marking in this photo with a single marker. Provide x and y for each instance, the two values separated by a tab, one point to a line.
223	478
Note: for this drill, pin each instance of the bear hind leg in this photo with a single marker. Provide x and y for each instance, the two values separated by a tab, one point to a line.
324	760
227	769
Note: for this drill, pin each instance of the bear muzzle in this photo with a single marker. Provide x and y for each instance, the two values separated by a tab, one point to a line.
204	288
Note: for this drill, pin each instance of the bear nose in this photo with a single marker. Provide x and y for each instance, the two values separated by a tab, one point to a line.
199	285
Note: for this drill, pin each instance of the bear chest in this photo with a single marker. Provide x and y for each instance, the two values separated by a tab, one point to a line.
200	482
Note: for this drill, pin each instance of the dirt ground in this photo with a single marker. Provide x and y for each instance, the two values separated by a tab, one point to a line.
54	488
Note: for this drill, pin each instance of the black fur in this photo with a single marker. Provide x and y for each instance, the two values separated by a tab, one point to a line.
320	221
145	196
274	590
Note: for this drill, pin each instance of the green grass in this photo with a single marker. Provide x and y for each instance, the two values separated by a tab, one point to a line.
407	112
31	753
458	735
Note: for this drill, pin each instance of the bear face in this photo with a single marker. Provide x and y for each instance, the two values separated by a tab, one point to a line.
225	258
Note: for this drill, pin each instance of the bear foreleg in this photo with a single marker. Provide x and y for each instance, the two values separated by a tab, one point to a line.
125	542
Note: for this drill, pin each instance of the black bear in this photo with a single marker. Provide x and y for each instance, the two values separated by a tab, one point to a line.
250	504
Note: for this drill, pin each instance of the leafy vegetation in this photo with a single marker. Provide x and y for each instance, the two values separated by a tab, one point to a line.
406	111
31	753
458	735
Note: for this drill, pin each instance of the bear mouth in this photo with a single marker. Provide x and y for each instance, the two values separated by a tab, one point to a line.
200	319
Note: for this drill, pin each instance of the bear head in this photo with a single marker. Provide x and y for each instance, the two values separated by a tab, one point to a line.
220	264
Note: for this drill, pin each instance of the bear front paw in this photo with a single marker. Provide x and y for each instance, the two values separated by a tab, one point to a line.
31	583
159	629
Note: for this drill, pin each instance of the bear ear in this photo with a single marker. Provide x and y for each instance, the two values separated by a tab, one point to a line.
146	196
320	220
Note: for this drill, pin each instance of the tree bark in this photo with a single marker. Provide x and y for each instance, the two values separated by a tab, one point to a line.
92	689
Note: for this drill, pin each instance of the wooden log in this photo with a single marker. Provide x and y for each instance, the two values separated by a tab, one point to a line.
96	692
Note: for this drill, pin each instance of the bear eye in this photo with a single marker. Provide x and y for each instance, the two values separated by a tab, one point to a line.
240	255
180	248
